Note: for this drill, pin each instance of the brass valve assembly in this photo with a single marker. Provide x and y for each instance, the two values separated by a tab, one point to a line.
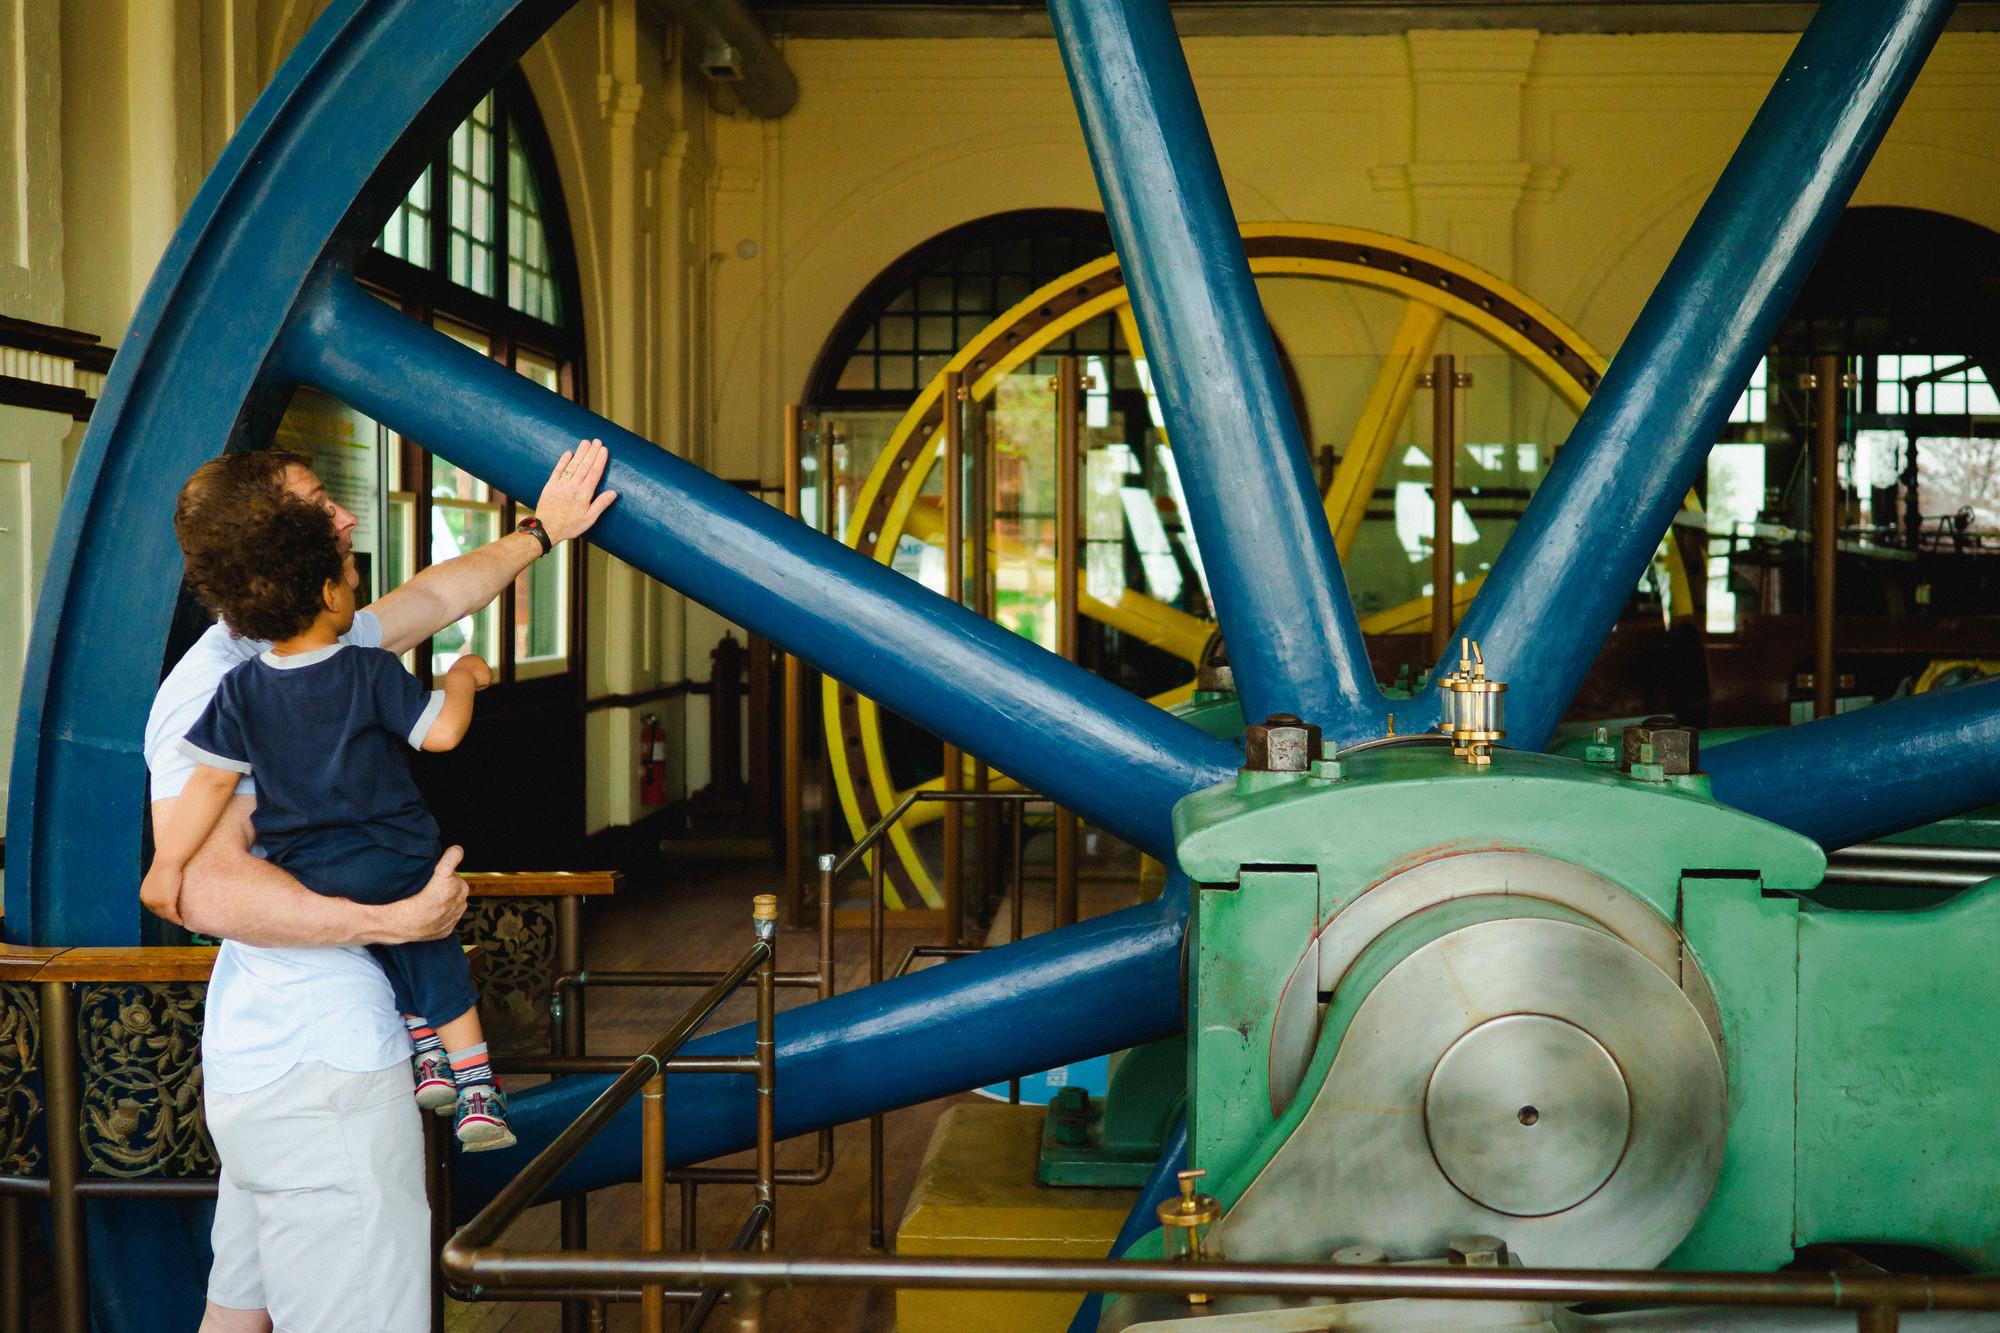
1184	1224
1472	706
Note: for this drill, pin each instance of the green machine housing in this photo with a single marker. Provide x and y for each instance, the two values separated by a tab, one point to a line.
1589	1011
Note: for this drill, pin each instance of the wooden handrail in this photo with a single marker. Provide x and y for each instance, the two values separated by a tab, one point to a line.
148	965
543	883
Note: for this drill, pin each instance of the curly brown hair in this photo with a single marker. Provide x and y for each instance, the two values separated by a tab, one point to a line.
257	555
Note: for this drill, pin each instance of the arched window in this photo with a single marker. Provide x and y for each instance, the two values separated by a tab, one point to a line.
479	249
903	327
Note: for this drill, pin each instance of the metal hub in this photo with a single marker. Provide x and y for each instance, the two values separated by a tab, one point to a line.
1527	1114
1540	1080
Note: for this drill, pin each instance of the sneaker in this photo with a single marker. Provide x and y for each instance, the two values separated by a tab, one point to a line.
435	1089
482	1119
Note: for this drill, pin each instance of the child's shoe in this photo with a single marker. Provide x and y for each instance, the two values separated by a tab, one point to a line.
435	1089
482	1119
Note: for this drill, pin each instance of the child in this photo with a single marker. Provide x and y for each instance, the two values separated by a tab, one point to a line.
322	725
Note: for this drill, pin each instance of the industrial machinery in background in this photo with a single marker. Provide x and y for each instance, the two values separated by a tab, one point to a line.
1427	980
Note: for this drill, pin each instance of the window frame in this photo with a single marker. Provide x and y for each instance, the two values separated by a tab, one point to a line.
428	295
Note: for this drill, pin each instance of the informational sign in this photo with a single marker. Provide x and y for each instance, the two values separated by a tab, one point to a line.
1092	1075
343	445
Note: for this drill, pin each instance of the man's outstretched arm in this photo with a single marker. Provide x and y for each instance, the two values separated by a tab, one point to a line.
229	892
448	592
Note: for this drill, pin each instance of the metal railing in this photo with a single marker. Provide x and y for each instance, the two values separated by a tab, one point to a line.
1877	1300
477	1271
566	1007
831	867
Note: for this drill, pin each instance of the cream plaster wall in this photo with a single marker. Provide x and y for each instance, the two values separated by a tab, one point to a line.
1571	165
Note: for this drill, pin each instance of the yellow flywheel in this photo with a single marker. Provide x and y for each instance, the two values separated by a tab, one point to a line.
1436	290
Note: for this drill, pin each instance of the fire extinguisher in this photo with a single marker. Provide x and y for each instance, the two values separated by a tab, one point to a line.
652	761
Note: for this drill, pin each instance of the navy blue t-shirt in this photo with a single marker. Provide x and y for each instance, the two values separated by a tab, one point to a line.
327	736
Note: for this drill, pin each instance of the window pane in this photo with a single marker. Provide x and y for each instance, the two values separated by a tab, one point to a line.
408	233
456	528
472	204
530	273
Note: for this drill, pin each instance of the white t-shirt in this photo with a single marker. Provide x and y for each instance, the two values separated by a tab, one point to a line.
269	1010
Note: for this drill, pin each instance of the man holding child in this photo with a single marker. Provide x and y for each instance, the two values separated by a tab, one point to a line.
321	1221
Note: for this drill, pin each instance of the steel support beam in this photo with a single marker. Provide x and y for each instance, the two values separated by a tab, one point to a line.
1293	638
1571	565
1871	772
1115	982
1087	743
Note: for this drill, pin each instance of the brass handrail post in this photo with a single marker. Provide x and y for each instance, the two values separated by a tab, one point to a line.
1020	907
437	1193
573	1213
62	1085
1069	541
1826	528
979	446
764	916
954	588
876	1227
748	1303
1444	382
653	1195
794	699
13	1291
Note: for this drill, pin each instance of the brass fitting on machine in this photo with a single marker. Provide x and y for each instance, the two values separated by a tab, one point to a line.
1184	1224
1472	706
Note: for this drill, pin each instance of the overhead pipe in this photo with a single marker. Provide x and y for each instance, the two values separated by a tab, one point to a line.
1567	572
737	54
1279	594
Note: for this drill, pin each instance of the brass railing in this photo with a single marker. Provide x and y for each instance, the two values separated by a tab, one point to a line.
50	1034
1877	1300
477	1271
831	867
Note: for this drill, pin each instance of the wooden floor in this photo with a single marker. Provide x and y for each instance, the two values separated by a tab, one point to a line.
697	917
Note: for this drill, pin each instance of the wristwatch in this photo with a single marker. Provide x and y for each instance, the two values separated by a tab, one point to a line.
533	526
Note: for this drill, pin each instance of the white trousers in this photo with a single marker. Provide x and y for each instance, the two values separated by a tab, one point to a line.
320	1215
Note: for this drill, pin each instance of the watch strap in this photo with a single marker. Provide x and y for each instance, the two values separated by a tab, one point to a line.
533	526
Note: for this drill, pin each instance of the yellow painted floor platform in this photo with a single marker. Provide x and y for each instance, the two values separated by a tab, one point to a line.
976	1194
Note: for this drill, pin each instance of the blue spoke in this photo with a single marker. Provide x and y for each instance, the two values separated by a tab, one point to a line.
1570	567
1105	985
1895	766
1102	752
1293	638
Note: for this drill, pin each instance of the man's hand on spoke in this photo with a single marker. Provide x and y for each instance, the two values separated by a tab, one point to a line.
433	911
569	503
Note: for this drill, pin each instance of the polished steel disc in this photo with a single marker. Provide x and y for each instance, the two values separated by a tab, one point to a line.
1527	1114
1420	1131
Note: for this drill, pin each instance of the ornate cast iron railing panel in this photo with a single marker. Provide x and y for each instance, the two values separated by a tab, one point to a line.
140	1050
20	1097
519	936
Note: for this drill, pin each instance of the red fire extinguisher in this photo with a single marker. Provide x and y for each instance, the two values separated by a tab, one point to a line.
652	761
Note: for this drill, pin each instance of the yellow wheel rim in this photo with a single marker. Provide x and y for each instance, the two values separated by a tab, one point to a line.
1437	287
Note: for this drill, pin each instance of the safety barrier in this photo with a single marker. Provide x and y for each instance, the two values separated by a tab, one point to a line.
478	1272
107	1040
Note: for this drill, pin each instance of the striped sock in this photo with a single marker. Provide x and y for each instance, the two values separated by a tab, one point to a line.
422	1034
469	1066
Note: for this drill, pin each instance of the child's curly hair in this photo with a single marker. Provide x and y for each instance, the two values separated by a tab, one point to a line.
257	555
